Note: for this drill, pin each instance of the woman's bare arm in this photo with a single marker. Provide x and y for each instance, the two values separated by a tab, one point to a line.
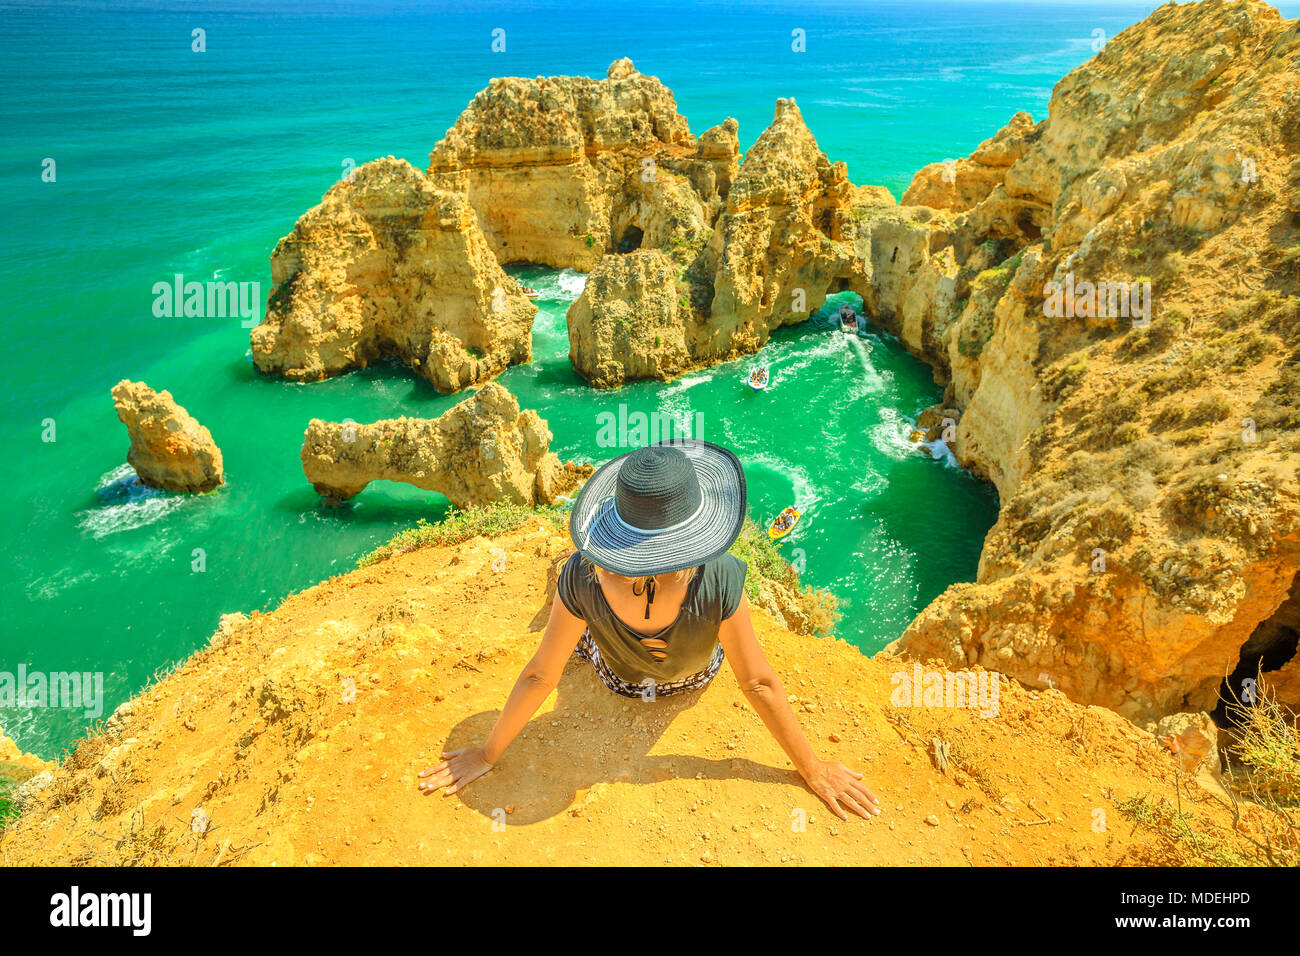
460	768
835	783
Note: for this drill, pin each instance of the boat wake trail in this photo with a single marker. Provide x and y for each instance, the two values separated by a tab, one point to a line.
873	379
804	489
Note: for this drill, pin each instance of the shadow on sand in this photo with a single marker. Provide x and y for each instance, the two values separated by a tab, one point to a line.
577	745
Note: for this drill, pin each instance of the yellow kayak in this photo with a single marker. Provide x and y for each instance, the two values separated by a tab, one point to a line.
783	524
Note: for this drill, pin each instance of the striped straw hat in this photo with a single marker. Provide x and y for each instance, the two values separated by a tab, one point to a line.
662	508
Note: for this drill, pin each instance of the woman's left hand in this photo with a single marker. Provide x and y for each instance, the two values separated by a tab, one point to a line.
841	787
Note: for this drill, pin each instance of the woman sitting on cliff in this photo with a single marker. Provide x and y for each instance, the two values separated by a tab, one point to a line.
654	602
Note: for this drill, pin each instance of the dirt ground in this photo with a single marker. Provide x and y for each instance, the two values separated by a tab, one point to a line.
296	737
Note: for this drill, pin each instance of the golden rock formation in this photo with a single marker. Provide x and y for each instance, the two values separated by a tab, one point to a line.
1123	356
542	160
389	267
169	448
481	451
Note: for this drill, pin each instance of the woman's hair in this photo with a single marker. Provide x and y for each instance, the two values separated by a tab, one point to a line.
638	583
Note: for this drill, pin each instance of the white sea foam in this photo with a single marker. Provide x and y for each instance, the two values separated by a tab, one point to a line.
42	589
686	382
571	283
940	451
125	503
872	378
893	437
892	434
787	363
869	484
557	285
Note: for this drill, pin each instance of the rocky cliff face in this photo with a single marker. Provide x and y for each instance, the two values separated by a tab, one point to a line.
627	324
580	173
775	245
1150	529
169	448
544	161
15	761
481	451
792	230
390	267
962	184
726	274
21	774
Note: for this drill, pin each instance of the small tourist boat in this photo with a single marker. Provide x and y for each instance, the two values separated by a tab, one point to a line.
848	320
531	292
758	379
783	524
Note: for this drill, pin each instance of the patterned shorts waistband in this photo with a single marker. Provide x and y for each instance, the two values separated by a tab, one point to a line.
648	689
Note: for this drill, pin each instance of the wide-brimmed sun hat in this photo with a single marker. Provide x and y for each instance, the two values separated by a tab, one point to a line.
662	508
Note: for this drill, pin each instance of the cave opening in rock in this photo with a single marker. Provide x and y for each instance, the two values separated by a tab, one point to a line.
846	290
631	240
1272	644
1025	223
840	293
825	223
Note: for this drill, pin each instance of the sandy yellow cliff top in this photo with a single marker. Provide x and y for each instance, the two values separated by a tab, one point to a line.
296	737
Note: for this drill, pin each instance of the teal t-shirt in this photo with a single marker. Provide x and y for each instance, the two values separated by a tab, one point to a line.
712	596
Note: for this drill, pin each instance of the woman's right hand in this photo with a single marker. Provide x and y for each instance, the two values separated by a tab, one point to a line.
459	768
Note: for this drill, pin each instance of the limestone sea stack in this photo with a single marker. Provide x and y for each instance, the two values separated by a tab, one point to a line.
627	324
780	243
765	257
551	164
481	451
169	448
389	267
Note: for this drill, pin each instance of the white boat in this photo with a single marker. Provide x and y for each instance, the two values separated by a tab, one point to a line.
758	379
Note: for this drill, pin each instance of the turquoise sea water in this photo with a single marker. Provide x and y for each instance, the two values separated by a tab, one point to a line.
170	161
